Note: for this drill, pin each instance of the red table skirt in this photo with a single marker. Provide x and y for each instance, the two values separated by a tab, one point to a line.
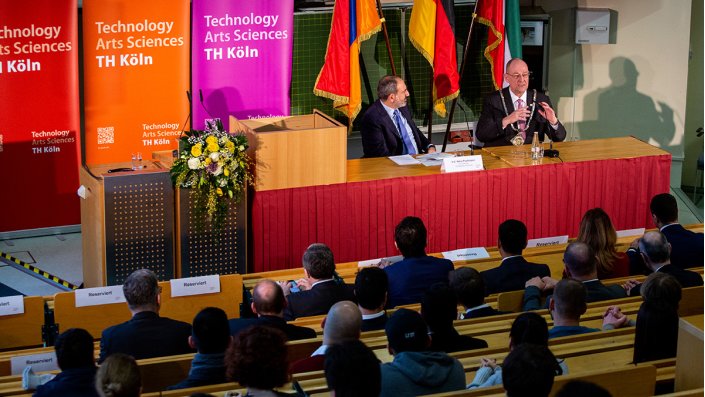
460	210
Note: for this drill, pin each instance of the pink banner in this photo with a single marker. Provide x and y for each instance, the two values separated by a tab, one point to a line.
241	58
39	117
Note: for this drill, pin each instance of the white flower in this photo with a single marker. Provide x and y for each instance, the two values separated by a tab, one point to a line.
194	163
214	156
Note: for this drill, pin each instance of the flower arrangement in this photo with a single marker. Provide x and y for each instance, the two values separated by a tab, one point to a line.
213	162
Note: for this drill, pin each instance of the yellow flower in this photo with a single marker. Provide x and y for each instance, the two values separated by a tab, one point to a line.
226	172
213	147
219	191
208	160
196	150
211	139
230	146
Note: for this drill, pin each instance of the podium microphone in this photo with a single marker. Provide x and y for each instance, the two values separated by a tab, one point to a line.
470	131
200	96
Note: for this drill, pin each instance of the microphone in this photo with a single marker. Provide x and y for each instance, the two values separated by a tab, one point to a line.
175	152
200	95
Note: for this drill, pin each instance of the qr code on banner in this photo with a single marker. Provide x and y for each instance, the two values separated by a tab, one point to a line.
106	135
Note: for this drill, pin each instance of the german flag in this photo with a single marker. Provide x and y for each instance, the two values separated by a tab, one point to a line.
431	31
354	21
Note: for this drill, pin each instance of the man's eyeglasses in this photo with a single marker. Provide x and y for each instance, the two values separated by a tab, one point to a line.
517	75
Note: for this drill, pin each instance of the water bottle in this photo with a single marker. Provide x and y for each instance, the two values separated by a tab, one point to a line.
536	147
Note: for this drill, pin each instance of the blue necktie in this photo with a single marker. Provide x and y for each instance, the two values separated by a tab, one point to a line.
408	145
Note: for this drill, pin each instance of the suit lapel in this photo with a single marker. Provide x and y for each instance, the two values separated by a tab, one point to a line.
508	100
387	121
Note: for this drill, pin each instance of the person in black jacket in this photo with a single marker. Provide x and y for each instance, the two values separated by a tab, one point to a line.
469	289
371	286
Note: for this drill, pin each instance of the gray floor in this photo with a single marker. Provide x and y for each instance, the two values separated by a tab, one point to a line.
60	255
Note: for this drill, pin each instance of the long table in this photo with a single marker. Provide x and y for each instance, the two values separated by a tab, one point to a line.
357	218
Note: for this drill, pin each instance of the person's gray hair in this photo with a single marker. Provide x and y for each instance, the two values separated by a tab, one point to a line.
141	289
655	246
343	322
387	86
319	262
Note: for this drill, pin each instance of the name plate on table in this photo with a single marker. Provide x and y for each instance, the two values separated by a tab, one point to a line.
631	232
460	164
39	362
10	305
195	285
466	254
374	262
546	241
99	296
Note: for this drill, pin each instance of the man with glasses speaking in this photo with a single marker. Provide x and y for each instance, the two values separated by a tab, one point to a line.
510	116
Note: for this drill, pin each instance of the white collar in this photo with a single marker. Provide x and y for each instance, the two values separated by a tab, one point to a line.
670	224
515	98
472	309
319	282
320	351
371	316
509	257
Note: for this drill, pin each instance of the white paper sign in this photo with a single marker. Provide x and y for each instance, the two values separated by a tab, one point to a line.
404	160
546	241
195	285
99	296
464	163
466	254
39	362
631	232
10	305
370	262
433	159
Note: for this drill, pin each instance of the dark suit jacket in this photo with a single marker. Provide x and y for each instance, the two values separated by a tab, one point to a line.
410	278
374	324
512	275
380	136
450	341
489	126
308	364
596	292
72	382
484	312
292	332
686	246
146	335
686	278
317	300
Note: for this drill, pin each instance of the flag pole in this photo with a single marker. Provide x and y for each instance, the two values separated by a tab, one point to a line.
386	37
430	107
462	69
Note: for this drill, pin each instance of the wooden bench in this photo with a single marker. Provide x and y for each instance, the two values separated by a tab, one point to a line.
23	330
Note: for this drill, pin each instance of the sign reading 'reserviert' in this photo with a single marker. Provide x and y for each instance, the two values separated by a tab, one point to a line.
99	296
195	285
10	305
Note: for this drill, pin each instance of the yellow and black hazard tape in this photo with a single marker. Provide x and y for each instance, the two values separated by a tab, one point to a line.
38	271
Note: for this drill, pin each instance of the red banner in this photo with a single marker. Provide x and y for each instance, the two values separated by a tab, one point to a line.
136	63
39	120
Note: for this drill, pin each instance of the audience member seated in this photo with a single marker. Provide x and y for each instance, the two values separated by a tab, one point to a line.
656	334
74	354
268	303
415	370
409	278
581	388
526	328
439	308
514	270
655	251
319	288
211	338
371	285
566	307
529	371
146	334
469	289
257	359
596	230
686	246
352	370
119	376
580	264
342	323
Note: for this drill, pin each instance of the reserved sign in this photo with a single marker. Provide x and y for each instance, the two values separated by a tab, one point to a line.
464	163
99	296
10	305
466	254
631	232
546	241
39	362
195	285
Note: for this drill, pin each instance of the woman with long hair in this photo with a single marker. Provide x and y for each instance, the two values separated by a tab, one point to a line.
596	230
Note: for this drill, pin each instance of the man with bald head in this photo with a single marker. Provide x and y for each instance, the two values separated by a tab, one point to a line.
581	265
268	302
343	322
512	114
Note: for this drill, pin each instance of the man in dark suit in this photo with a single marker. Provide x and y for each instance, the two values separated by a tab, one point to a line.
580	264
516	110
410	277
319	289
146	334
514	270
469	289
387	128
686	246
371	286
655	251
268	302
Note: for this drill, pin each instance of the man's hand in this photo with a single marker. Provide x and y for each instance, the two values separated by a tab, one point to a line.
384	262
614	316
431	149
285	287
629	285
488	362
549	283
303	284
548	113
519	114
535	282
